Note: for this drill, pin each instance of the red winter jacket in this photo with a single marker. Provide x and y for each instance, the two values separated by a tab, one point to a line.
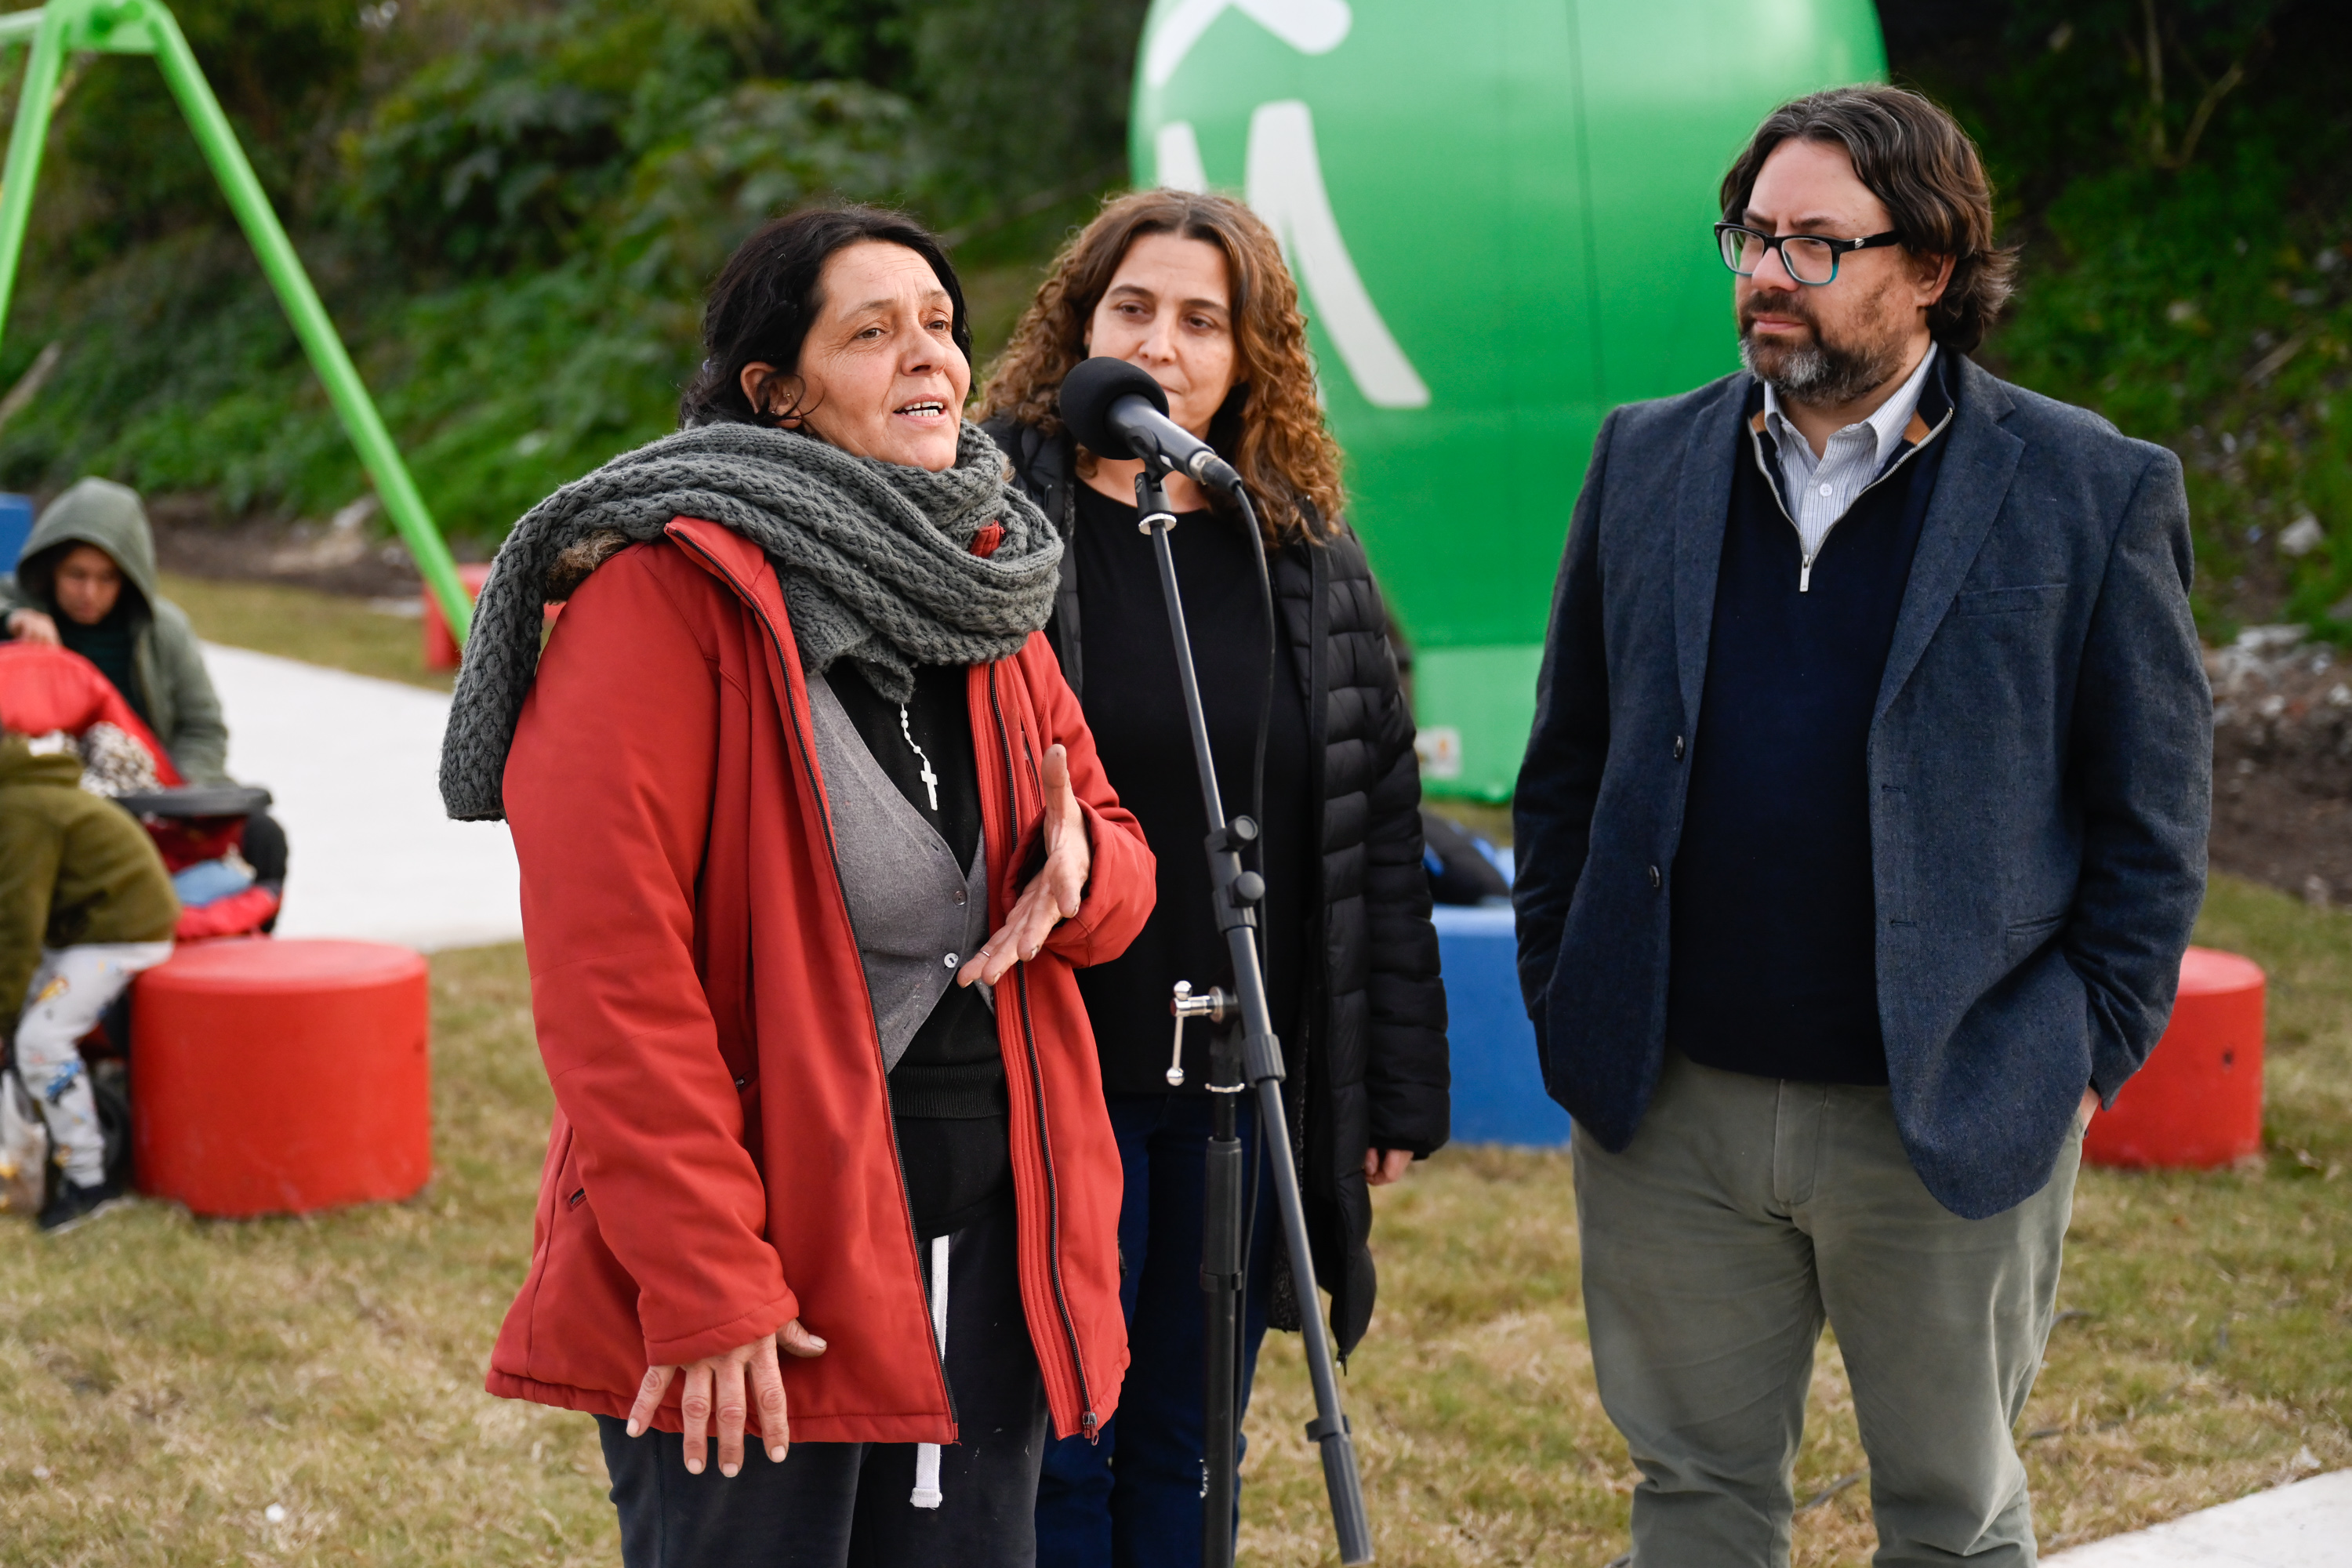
721	1159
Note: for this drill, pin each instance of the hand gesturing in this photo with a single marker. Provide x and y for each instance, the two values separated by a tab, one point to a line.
1054	894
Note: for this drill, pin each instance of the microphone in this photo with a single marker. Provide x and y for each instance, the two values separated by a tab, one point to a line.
1115	408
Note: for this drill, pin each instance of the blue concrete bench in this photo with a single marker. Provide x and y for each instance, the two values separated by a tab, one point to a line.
15	527
1498	1093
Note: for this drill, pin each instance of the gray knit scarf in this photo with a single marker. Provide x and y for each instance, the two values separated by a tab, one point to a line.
874	560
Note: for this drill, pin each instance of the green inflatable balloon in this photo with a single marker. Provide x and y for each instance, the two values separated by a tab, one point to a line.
1498	213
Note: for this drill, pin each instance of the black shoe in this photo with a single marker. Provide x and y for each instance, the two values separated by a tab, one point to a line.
77	1204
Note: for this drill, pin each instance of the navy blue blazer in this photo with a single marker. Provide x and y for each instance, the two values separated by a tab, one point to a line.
2040	760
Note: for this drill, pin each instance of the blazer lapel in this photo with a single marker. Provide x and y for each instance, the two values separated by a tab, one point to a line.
1969	489
1701	505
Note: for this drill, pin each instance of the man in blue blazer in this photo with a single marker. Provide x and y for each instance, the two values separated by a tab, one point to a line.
1860	837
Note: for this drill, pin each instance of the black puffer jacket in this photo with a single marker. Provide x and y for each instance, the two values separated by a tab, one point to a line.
1371	1070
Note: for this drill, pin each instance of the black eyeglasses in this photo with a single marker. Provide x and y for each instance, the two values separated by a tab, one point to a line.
1809	258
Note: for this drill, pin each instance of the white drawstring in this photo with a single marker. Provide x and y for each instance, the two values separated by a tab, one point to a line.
926	1454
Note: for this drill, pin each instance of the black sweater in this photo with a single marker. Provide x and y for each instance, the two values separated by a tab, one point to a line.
1774	953
1136	710
1367	1057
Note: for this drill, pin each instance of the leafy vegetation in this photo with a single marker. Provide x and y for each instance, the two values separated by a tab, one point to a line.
2181	174
511	208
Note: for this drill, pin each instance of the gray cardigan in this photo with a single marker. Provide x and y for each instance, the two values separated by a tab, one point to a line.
2040	764
917	915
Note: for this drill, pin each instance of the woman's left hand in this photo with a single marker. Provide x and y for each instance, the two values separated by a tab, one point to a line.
1054	894
1383	1166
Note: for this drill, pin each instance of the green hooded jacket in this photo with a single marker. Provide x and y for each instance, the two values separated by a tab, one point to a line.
75	868
175	691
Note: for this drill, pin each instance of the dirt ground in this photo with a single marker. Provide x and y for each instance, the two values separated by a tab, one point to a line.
2282	767
348	553
2283	763
2283	709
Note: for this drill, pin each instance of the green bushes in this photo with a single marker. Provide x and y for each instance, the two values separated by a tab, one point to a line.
2179	172
512	205
2196	310
512	210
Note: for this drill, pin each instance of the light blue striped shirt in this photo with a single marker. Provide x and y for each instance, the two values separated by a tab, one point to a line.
1820	489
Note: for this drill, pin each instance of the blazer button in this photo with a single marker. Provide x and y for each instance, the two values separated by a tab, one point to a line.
949	960
959	895
1678	748
1657	881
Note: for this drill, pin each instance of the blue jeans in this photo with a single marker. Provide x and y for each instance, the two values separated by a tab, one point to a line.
1132	1499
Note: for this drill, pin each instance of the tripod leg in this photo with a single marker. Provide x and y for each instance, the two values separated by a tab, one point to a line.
1328	1430
1221	1283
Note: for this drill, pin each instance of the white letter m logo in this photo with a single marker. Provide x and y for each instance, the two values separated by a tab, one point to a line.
1285	186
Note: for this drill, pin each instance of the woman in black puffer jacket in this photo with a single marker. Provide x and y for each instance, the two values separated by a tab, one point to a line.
1194	288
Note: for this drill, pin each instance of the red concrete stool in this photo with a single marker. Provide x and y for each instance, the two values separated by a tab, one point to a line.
2199	1101
272	1076
440	649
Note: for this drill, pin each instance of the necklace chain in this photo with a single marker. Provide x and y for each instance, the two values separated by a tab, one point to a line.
930	780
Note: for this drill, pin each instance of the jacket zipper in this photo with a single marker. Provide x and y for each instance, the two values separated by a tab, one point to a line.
1805	566
833	858
1037	1093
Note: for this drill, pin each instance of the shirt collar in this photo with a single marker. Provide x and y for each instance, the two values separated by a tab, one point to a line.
1886	424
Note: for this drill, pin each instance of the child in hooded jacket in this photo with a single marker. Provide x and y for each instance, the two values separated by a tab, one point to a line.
85	905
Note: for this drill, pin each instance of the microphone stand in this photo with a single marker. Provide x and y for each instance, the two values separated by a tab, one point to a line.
1257	1067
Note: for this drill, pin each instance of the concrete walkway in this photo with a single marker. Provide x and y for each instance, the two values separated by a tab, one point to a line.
2306	1525
352	762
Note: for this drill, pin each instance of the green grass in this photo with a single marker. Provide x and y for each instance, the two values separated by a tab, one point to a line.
174	1377
177	1376
298	623
2207	1352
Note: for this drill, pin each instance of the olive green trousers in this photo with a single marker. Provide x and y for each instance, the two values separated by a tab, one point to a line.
1745	1214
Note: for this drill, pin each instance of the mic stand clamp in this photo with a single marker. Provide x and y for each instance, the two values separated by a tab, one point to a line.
1234	894
1217	1006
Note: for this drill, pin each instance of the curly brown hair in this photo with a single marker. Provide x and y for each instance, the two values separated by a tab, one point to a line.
1271	428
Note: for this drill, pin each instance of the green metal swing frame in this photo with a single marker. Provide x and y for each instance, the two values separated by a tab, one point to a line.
147	27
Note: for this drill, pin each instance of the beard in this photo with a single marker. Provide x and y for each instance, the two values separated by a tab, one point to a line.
1821	371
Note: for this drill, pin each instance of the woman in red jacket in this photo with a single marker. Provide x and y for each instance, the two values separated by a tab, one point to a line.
813	838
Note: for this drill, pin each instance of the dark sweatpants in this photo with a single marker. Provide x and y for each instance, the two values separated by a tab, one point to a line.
845	1505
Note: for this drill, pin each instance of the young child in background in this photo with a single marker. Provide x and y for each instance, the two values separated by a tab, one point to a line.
85	905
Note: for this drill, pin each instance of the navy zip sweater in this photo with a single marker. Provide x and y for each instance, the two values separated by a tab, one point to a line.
1774	954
